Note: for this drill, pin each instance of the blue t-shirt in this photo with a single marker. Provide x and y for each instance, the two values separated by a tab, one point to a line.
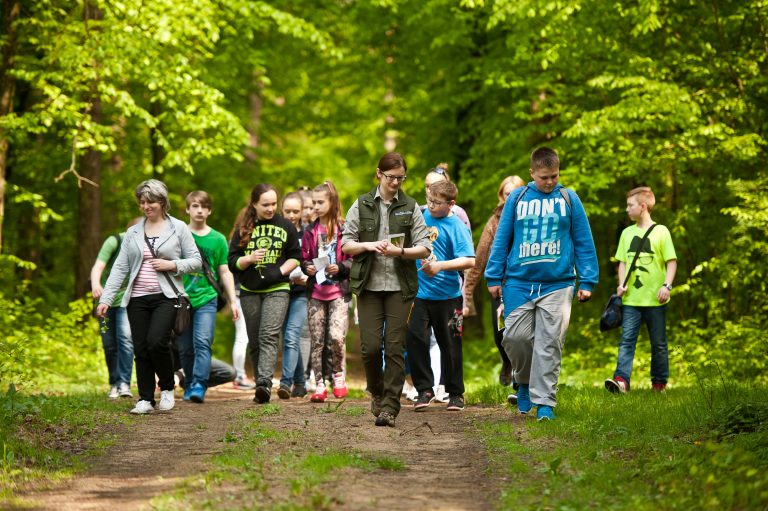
450	239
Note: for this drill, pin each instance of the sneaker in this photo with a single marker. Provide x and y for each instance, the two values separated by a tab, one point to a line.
505	375
113	393
659	387
385	419
455	403
124	390
512	399
311	382
545	413
320	395
197	393
441	396
524	399
339	386
243	383
284	392
167	402
262	395
376	405
143	408
187	394
424	400
617	385
178	378
299	391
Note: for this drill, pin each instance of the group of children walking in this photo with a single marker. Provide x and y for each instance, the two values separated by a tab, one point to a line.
412	269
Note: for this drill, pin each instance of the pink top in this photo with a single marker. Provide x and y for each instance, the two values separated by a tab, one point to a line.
146	282
325	292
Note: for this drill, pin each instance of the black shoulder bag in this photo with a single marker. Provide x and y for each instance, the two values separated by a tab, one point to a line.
612	314
183	306
221	299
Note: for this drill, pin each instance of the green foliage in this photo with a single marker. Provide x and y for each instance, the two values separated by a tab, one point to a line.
39	351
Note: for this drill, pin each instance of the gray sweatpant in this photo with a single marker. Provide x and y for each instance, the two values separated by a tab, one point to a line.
533	339
264	315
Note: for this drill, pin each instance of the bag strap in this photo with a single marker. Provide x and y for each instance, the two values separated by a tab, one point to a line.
637	254
165	273
208	272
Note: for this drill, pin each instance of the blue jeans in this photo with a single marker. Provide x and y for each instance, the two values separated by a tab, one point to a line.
295	319
655	320
118	345
195	344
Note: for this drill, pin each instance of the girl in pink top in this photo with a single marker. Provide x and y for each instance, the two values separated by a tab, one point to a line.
328	288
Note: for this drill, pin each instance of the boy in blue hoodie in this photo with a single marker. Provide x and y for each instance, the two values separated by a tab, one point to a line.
542	245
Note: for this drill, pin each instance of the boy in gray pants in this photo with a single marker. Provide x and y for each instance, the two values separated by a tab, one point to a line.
543	243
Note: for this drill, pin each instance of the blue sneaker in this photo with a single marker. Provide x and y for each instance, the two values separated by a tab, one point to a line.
197	393
523	399
545	413
187	392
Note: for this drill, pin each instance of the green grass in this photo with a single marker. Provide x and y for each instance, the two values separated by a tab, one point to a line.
45	437
685	449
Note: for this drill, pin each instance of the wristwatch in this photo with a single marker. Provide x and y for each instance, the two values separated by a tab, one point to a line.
668	286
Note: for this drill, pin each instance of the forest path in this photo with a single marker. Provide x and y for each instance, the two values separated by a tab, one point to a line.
445	463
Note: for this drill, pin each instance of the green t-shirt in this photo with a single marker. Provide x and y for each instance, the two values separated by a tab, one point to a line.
651	270
107	255
213	247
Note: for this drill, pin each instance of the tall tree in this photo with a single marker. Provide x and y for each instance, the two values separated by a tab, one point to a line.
10	14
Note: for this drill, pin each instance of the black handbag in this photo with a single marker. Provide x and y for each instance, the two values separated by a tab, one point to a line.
183	305
612	314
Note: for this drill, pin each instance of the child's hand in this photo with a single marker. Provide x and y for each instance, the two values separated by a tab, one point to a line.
663	294
332	269
310	270
430	267
621	290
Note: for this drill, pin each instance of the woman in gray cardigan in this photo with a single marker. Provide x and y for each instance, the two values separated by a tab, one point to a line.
149	297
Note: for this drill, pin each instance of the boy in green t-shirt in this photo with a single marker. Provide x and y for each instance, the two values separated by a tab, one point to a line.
195	344
645	298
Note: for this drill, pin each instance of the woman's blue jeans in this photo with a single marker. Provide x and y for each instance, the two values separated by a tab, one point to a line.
293	366
195	344
118	345
655	320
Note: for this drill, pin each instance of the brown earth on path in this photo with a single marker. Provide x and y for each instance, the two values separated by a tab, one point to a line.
446	466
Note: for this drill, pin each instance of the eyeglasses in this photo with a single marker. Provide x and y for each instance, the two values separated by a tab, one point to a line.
436	202
391	178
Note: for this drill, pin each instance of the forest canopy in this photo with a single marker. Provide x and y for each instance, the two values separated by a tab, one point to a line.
96	96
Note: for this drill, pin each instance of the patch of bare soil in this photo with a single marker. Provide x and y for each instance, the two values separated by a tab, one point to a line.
446	466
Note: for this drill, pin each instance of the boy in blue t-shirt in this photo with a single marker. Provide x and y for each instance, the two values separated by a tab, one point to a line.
438	303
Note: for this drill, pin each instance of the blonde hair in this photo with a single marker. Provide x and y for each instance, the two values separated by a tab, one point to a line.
643	195
517	181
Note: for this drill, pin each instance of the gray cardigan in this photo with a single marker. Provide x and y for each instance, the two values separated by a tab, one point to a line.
175	244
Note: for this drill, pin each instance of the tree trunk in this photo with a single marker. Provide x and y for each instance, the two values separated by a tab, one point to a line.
7	88
256	106
89	219
158	153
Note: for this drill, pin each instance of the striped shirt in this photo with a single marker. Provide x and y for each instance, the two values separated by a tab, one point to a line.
146	282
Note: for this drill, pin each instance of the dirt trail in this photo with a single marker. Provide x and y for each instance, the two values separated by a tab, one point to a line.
445	468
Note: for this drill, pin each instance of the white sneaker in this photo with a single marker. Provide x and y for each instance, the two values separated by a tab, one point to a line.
311	383
124	390
411	394
441	396
113	392
167	401
142	408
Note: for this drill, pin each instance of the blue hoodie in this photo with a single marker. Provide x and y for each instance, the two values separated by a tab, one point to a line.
551	245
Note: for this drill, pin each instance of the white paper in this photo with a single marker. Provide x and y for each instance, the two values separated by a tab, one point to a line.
320	264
